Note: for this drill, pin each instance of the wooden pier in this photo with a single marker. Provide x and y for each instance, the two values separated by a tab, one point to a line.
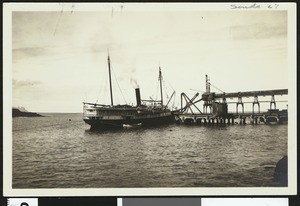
215	108
269	117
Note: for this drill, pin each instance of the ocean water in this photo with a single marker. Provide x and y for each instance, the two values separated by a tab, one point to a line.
59	151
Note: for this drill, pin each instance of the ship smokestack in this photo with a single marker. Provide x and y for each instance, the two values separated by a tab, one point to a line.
138	96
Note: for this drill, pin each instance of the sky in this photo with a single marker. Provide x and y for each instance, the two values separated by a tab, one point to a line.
60	57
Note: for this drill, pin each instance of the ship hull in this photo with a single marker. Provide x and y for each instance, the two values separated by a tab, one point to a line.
158	121
98	124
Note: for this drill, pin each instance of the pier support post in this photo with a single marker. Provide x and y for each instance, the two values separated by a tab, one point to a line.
262	119
254	103
244	120
273	102
207	104
199	121
266	120
240	120
240	102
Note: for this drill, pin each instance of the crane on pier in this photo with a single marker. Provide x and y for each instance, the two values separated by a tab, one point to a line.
212	103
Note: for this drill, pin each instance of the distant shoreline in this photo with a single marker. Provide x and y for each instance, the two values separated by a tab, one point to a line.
18	113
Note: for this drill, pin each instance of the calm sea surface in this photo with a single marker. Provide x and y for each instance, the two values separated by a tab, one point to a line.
54	152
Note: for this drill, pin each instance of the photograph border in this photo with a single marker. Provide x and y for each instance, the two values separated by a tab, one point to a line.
8	8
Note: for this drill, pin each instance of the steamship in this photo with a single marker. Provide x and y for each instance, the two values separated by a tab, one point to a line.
145	113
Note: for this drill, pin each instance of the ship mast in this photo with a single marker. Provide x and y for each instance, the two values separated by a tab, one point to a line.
111	94
160	83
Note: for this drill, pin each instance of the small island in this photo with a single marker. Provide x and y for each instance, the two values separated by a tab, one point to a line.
21	112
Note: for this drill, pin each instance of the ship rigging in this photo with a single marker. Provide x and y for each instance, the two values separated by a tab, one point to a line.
145	113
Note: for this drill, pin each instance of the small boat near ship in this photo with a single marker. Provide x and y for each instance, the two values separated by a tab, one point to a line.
145	113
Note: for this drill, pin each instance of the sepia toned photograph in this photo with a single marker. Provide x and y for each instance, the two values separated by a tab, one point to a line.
150	98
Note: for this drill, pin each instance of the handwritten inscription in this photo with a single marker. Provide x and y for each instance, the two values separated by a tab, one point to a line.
270	6
245	6
253	6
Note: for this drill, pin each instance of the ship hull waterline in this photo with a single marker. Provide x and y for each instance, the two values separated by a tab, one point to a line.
99	124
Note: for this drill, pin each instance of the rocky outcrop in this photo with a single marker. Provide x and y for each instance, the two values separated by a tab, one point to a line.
17	113
281	170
